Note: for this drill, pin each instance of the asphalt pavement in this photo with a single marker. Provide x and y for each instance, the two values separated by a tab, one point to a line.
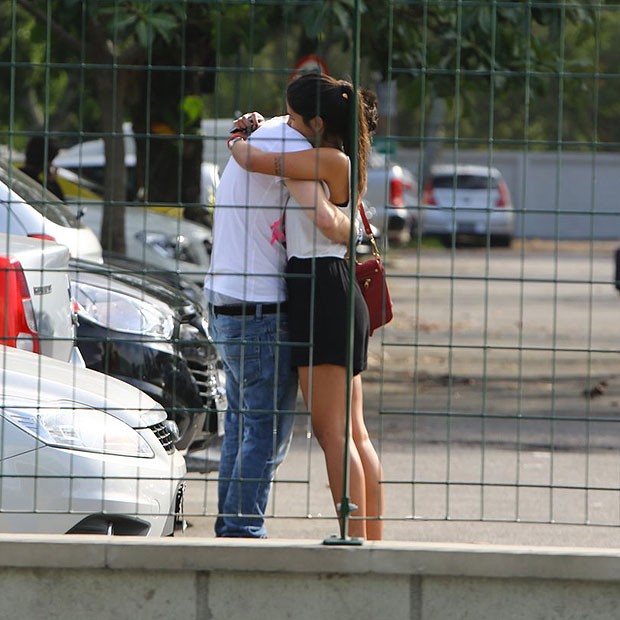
493	398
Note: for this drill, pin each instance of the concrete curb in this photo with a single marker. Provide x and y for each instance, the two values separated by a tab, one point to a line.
59	577
196	554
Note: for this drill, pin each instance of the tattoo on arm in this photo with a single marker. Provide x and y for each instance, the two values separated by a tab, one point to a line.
278	165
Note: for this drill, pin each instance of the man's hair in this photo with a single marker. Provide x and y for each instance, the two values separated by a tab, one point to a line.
35	151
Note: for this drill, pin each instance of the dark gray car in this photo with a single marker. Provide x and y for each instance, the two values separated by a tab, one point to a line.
148	333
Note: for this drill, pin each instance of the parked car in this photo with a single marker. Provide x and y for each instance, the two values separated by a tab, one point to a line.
83	453
87	159
190	288
156	241
152	241
161	242
143	331
179	245
465	200
391	198
77	188
27	209
35	305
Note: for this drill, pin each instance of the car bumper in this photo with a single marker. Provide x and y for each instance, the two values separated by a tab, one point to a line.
57	491
446	222
397	224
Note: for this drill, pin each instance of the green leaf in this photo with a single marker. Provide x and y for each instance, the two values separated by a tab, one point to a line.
193	107
143	34
124	21
164	25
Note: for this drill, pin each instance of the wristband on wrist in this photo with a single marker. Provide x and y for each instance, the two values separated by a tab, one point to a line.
234	138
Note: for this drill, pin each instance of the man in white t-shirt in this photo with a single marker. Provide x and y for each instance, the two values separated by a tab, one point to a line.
246	296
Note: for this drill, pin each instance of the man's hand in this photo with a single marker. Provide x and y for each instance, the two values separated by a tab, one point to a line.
248	123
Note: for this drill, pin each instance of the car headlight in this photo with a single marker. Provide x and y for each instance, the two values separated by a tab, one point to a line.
174	247
121	312
192	341
90	430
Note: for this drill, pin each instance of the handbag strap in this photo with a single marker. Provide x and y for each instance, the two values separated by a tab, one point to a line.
368	229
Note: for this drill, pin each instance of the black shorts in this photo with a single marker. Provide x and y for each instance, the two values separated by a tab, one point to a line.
318	290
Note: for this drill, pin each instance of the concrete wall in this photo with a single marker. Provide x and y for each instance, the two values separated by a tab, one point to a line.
54	577
556	195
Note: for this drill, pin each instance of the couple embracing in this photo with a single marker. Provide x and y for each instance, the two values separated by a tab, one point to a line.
278	311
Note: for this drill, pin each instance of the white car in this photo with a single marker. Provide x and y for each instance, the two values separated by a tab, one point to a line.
467	201
87	159
35	302
27	209
83	453
160	242
160	238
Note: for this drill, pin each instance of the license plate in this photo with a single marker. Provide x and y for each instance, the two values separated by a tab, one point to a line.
467	228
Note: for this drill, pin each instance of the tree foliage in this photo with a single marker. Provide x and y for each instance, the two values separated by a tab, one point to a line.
88	65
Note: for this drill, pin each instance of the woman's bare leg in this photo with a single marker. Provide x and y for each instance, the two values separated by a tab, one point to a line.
373	471
324	391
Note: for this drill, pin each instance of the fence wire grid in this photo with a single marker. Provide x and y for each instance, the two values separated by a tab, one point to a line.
494	393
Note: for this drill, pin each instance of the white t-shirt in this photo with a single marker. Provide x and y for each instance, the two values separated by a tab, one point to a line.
304	239
248	260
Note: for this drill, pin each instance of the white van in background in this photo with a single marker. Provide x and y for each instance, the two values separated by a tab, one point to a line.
87	159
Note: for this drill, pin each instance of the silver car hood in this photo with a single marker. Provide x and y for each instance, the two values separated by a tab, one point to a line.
42	381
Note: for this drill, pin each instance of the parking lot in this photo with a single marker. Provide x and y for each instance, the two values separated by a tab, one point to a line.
493	397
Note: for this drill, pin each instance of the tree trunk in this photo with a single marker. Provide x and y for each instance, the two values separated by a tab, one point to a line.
432	146
115	184
168	165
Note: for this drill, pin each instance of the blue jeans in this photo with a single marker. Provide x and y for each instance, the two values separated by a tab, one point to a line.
261	388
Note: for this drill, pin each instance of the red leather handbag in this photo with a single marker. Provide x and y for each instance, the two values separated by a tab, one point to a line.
370	276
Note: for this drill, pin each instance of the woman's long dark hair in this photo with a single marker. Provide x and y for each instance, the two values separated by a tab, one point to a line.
317	94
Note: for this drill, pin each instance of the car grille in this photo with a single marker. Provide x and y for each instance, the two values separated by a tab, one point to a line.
164	436
207	379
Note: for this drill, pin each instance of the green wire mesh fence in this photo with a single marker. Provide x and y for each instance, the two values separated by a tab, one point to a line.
493	395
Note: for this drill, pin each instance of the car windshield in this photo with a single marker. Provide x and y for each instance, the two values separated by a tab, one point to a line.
465	181
48	205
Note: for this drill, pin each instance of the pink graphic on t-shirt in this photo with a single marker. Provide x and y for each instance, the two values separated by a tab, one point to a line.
277	232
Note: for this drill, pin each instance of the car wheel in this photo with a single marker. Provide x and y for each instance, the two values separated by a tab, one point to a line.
501	241
446	241
397	238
